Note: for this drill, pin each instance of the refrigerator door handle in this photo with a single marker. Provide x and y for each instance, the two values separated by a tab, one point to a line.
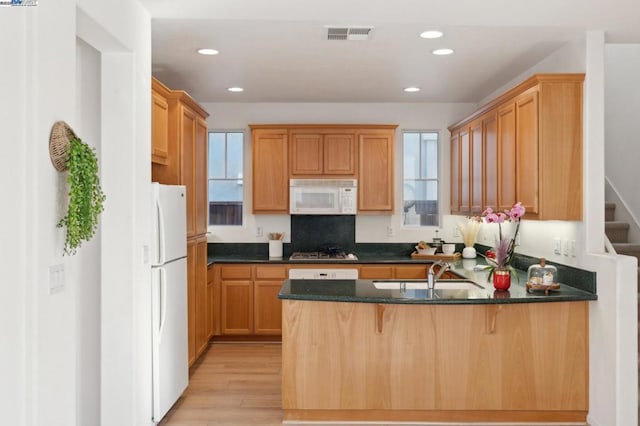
161	235
163	300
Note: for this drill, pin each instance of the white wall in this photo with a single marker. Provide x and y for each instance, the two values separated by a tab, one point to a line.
622	107
408	116
45	358
86	270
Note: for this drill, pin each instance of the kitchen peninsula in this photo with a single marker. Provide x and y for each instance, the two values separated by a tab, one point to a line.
357	350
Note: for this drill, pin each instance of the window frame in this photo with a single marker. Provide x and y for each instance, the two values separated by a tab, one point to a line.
438	179
244	178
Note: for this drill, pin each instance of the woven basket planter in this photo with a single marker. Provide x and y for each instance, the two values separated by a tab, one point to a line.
59	139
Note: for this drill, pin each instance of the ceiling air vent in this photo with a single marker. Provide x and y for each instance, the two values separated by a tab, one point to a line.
348	33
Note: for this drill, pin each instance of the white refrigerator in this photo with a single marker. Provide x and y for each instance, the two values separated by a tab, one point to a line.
169	297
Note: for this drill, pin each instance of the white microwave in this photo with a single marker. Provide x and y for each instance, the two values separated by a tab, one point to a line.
323	196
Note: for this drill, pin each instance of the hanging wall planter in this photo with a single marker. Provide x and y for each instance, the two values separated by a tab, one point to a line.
86	199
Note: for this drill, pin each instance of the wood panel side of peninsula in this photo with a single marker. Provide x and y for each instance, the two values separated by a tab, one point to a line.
391	362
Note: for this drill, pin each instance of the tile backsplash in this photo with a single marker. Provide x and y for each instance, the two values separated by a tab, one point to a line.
315	232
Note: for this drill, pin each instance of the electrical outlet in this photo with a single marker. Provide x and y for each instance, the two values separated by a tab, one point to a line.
565	247
456	231
391	231
557	246
259	231
572	248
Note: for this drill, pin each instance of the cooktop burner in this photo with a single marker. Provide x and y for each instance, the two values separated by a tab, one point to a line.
318	255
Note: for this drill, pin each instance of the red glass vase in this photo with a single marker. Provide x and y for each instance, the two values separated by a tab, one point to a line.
501	279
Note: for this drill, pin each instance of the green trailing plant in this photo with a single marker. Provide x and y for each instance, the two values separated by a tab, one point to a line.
86	199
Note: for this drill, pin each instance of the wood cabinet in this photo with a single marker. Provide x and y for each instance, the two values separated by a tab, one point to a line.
393	271
179	157
281	152
320	152
186	161
197	299
201	299
375	171
159	128
514	362
270	170
455	171
249	303
213	306
537	150
267	308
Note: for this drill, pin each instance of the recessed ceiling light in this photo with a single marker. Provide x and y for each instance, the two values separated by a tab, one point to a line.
208	51
442	52
235	89
411	89
431	34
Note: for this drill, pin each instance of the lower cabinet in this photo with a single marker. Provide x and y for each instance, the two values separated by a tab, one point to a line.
382	272
248	300
243	298
198	325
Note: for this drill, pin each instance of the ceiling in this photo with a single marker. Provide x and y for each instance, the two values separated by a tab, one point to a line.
278	50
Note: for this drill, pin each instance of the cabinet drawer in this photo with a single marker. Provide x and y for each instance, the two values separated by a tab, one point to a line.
236	272
271	272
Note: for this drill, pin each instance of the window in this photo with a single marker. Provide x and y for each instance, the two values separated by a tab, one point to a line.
420	178
226	192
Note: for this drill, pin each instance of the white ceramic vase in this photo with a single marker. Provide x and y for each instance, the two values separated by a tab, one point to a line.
469	252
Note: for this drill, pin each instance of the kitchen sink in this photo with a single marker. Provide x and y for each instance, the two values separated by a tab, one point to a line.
422	285
444	289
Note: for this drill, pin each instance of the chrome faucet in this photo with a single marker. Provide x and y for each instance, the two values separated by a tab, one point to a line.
432	276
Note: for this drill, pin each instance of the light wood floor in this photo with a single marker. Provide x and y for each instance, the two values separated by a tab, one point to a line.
233	384
236	384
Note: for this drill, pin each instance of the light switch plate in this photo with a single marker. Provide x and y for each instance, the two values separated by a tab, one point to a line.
56	278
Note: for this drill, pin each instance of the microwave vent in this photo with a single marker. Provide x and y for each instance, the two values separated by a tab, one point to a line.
340	183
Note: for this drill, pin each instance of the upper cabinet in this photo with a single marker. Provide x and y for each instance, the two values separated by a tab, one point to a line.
270	170
362	152
179	153
525	145
375	175
319	152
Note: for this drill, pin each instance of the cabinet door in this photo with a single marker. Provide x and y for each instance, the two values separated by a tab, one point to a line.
527	151
455	172
201	324
237	307
490	170
201	181
306	154
192	260
465	168
188	171
212	310
507	156
270	171
375	174
376	272
159	129
267	307
477	167
339	154
411	272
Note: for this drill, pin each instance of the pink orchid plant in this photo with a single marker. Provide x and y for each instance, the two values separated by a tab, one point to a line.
505	246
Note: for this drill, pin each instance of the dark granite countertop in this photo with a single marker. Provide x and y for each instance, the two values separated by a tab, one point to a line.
365	291
577	284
